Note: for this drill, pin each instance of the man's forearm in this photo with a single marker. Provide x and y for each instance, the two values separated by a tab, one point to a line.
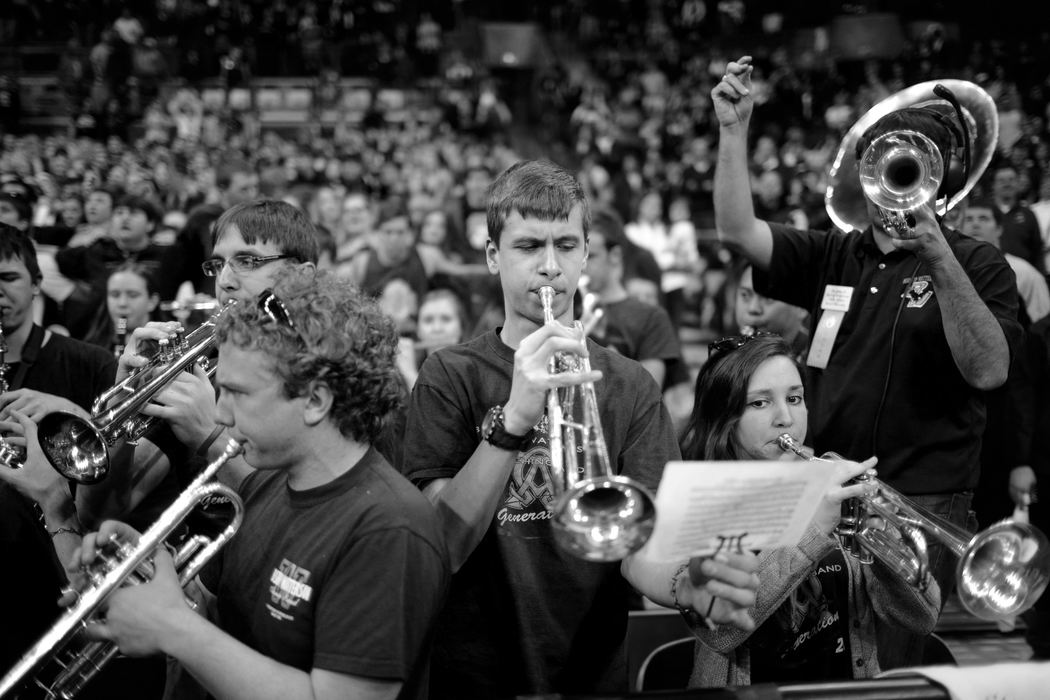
468	501
974	336
228	669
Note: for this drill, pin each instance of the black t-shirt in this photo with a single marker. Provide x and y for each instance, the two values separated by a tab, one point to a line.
346	577
642	331
33	576
891	387
818	650
523	615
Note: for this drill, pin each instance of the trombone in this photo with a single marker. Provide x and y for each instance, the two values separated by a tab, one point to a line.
596	515
1001	572
120	564
78	448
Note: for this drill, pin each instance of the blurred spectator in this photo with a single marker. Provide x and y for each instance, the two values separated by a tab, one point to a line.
1020	230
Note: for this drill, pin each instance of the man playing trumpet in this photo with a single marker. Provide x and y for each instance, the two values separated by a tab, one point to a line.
524	616
910	321
330	587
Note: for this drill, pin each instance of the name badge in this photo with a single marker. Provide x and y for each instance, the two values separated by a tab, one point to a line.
835	305
836	297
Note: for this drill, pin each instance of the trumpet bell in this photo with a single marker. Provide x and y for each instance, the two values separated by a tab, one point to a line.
603	519
901	170
844	198
74	447
1004	570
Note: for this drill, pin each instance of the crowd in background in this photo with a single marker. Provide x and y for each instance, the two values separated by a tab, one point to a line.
633	118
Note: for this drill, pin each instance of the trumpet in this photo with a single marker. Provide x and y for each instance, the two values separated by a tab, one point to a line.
596	514
10	456
79	448
65	660
900	172
1001	571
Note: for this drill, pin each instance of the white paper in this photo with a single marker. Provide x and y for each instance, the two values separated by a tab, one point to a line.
1004	681
764	504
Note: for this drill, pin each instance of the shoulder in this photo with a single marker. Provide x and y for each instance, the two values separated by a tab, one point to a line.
78	351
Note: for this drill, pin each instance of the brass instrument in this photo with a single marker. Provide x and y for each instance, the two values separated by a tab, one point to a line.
1002	570
61	662
596	515
10	457
901	177
79	448
121	336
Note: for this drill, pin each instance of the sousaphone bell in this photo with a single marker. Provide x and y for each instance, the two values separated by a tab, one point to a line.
904	174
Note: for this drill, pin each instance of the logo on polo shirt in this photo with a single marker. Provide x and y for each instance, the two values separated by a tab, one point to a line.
919	292
289	585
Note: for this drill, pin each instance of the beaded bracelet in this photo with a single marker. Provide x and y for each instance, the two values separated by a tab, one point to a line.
70	530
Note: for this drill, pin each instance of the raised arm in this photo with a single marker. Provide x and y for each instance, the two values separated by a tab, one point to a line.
734	210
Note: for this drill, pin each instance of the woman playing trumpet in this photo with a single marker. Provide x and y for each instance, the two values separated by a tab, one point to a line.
816	606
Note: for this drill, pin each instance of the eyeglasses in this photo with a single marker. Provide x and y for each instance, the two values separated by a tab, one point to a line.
271	305
726	345
242	262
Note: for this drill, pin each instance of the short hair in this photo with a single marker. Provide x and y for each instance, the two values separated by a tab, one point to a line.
536	189
721	397
986	203
272	221
608	223
147	205
22	206
113	193
341	338
15	243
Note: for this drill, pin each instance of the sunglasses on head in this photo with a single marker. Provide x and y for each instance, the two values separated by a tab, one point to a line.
271	305
727	344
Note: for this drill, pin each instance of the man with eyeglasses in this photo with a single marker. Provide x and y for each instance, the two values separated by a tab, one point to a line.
331	586
254	243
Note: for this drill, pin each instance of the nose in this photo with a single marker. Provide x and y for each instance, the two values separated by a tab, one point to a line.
755	305
549	266
783	418
223	415
227	279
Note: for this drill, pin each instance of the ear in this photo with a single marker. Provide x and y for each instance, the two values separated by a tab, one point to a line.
616	256
492	257
318	403
154	300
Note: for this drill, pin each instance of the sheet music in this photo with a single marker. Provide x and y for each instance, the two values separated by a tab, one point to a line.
1001	681
704	506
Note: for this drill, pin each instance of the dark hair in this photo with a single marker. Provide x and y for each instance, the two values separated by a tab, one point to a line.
341	338
137	268
460	306
113	194
536	189
146	205
721	397
17	244
924	120
986	203
271	221
23	207
607	222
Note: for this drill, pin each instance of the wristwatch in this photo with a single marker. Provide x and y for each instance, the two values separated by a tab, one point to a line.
495	434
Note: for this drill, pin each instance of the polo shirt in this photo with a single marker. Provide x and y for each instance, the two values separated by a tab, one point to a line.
891	387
